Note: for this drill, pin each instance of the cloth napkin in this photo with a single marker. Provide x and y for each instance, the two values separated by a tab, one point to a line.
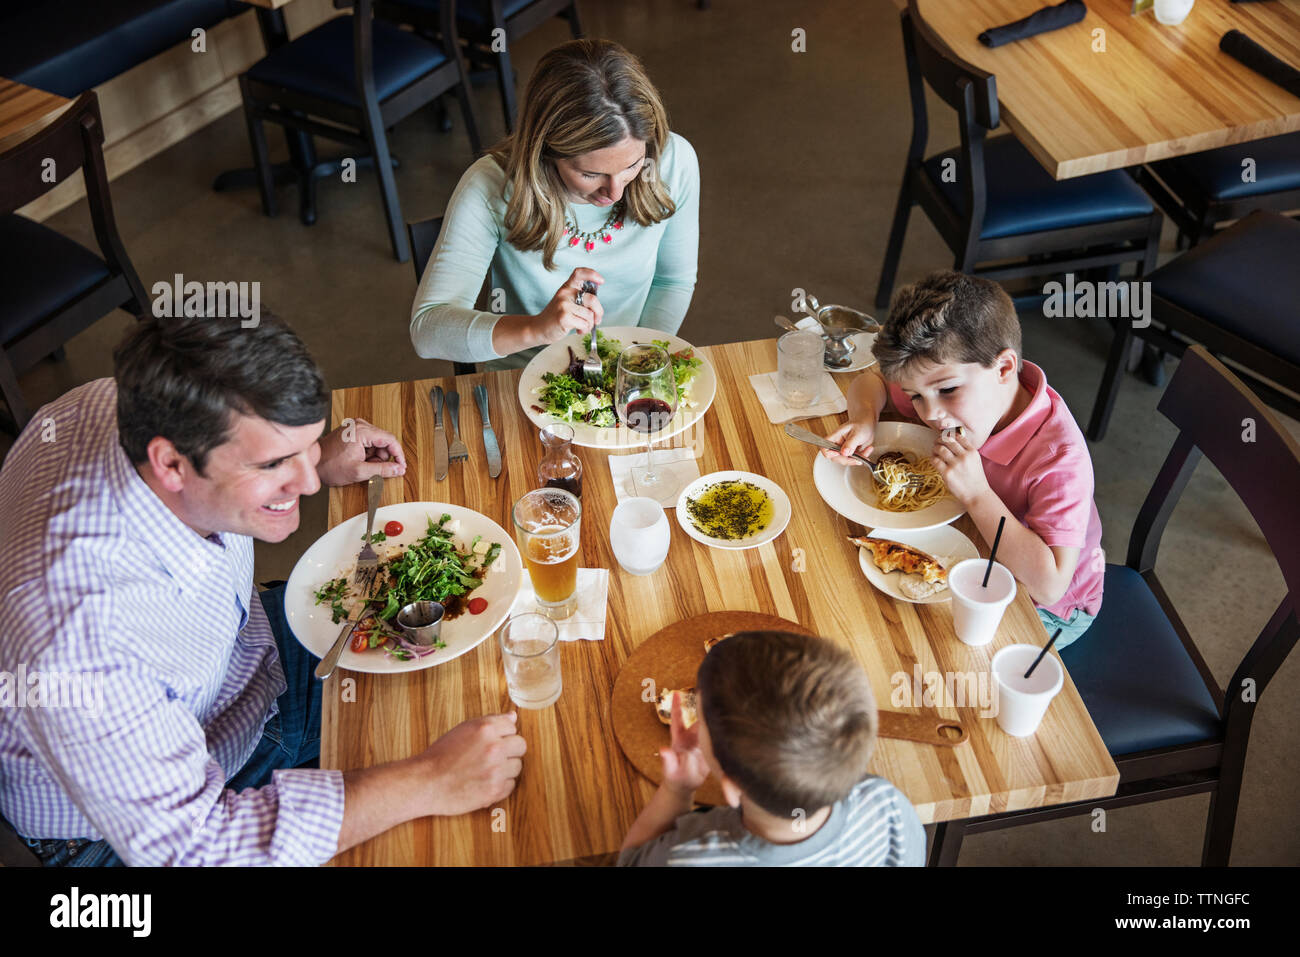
1245	50
588	622
830	402
685	471
1048	18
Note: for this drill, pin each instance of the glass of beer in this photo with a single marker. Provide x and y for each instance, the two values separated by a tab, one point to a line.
548	522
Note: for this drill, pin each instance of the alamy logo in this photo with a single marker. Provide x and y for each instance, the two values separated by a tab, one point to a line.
52	689
221	300
103	910
1098	300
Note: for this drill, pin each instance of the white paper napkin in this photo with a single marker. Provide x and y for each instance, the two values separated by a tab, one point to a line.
588	622
830	401
685	470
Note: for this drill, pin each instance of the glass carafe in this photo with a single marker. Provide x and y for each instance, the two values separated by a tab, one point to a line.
559	467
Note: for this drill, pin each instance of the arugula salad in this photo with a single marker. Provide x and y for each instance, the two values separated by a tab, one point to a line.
430	569
567	396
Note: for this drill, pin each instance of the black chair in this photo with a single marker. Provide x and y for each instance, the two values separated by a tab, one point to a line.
1170	728
992	201
13	852
52	288
476	20
1204	189
360	76
424	236
1239	294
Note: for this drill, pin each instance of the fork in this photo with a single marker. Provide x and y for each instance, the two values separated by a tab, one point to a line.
803	435
367	560
457	451
363	580
593	370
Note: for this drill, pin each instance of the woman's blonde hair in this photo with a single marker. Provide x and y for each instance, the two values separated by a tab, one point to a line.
585	95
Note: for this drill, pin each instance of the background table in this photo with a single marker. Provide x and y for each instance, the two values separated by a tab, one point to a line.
578	795
25	110
1155	92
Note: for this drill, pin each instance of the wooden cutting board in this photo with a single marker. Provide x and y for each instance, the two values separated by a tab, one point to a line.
671	657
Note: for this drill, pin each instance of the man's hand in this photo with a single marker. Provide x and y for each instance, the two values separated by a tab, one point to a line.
684	766
367	451
960	465
473	765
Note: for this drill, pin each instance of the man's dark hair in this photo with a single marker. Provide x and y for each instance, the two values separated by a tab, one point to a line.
186	379
791	718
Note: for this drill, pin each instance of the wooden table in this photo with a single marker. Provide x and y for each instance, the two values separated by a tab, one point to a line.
25	110
1155	92
578	795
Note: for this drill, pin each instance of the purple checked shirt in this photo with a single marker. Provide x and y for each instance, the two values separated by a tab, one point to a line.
100	578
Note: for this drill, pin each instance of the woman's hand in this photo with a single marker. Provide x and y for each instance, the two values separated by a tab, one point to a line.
563	314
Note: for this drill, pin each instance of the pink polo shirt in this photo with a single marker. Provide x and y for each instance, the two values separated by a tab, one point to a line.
1040	467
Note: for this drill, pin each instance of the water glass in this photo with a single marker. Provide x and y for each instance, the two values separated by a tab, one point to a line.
530	649
638	532
800	358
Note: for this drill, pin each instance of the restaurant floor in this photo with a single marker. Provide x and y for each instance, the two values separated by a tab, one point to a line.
800	156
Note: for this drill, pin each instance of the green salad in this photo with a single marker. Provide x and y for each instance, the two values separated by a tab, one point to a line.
567	396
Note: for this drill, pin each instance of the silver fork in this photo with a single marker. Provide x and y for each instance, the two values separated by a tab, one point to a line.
593	370
803	435
367	560
363	581
457	451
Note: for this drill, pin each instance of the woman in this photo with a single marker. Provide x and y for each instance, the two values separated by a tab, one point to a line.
591	186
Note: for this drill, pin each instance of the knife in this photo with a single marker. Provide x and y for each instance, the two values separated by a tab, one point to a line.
489	437
439	436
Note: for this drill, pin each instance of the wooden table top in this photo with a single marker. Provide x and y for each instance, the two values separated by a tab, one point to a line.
24	110
1155	92
577	794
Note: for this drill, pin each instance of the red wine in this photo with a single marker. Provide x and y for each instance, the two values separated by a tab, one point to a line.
648	414
570	483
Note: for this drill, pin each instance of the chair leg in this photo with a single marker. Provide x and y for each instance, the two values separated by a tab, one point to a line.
467	113
1222	818
575	24
18	407
1109	389
894	250
261	157
387	185
946	844
441	116
506	80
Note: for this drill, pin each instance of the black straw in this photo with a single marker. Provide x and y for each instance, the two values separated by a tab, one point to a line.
1041	654
993	551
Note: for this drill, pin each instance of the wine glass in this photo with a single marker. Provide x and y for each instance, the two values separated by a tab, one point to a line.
645	395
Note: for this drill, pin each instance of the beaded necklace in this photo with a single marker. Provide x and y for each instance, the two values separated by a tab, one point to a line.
588	239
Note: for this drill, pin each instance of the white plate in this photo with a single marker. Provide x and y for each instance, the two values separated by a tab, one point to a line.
781	510
851	491
945	543
862	357
335	554
555	358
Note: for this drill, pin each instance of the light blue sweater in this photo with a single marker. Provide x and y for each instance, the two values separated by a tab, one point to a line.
649	272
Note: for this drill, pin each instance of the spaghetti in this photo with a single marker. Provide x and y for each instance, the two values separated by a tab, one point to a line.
896	471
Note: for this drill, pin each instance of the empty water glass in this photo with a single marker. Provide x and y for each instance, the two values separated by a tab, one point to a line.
800	358
639	535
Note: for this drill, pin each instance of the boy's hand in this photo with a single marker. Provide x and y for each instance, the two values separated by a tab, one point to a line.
961	467
853	437
684	766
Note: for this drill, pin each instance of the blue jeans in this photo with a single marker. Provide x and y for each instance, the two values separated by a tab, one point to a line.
1071	630
291	739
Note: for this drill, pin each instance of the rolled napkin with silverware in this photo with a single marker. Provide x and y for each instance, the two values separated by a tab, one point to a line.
1048	18
1246	51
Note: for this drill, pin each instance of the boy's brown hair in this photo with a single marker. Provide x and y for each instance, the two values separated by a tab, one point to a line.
947	317
792	718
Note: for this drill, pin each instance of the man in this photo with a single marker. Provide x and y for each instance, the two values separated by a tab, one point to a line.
130	506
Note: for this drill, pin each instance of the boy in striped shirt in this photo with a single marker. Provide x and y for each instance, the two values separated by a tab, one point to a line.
787	723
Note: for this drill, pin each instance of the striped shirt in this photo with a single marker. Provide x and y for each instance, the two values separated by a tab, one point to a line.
874	826
102	581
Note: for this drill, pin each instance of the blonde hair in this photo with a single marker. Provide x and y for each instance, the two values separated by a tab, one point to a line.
585	95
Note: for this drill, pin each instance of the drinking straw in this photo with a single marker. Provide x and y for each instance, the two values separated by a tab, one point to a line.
993	551
1043	653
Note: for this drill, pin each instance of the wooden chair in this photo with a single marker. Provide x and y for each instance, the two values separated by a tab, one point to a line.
1239	294
52	287
424	236
992	201
360	76
476	22
1170	728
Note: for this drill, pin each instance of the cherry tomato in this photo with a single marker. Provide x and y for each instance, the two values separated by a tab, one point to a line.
360	641
393	529
477	606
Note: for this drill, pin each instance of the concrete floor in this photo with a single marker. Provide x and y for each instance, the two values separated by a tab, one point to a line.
800	158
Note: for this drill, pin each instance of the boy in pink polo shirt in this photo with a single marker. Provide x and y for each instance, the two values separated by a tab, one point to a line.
949	355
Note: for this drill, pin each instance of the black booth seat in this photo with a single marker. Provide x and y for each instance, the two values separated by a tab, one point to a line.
69	46
41	271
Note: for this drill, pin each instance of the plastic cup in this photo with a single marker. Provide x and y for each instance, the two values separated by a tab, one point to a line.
1022	701
639	535
976	610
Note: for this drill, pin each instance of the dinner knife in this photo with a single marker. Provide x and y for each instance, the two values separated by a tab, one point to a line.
489	437
439	436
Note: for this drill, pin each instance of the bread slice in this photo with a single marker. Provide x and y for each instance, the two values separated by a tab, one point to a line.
891	556
664	709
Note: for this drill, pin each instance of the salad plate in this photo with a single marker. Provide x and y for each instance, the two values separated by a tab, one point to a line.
334	555
697	393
